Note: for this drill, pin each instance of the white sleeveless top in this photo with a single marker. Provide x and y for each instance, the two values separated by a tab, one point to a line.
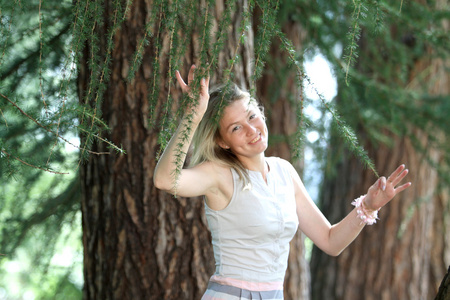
251	235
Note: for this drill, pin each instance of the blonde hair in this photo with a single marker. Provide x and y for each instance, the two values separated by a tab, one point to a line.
205	147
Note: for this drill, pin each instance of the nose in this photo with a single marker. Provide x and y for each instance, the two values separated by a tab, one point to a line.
250	129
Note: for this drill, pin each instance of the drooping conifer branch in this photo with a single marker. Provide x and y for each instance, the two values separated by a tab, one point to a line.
31	165
221	35
228	73
287	46
154	84
173	26
344	130
117	20
3	116
41	46
266	31
47	129
78	39
353	37
145	40
166	125
5	37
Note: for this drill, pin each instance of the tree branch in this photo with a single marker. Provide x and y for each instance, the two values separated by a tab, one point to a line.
45	128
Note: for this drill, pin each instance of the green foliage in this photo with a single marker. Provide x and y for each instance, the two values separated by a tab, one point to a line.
38	115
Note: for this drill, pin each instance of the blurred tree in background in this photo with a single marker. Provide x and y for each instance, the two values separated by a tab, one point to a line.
104	71
397	101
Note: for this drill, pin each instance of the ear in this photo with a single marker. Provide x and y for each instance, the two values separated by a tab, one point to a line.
222	144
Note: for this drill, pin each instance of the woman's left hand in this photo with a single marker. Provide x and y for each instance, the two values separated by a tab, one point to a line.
383	190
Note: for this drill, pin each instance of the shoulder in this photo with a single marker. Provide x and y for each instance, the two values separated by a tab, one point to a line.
280	163
283	166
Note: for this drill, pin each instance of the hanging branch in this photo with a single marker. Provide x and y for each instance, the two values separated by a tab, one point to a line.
221	36
3	116
287	45
245	23
6	36
148	34
80	38
94	66
264	37
41	87
353	38
154	87
344	130
49	130
105	72
167	127
31	165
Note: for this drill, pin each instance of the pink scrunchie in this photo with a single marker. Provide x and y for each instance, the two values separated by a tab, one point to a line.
367	217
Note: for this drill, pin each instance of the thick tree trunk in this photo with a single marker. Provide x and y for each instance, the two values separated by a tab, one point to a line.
139	242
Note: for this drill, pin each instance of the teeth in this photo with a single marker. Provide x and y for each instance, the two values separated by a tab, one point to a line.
257	138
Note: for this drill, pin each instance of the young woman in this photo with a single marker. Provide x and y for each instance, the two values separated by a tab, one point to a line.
254	204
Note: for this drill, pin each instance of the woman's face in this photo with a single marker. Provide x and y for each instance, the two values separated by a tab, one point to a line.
243	129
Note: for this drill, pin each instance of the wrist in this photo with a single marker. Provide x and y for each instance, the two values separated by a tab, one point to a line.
367	215
367	201
192	117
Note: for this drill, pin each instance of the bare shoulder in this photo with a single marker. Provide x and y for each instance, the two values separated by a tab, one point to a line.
288	165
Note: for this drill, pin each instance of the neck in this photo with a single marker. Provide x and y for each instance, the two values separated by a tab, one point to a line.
257	163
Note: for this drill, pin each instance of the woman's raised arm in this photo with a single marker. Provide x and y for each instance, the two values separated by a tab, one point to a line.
164	174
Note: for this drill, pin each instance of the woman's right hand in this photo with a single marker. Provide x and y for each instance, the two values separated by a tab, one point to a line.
200	109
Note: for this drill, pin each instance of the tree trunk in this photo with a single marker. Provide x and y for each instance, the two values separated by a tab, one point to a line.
139	242
405	254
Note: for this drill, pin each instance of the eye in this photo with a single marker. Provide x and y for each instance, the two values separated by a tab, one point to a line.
252	116
235	128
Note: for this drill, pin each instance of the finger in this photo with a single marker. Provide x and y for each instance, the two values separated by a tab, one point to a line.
181	81
402	187
400	177
207	83
396	173
203	89
382	183
191	74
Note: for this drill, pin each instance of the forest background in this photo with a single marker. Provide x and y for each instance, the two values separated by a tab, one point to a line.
88	100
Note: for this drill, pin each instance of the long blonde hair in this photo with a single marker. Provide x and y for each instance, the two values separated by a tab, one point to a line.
205	147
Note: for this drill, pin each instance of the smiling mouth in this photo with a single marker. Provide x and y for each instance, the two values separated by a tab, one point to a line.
256	139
